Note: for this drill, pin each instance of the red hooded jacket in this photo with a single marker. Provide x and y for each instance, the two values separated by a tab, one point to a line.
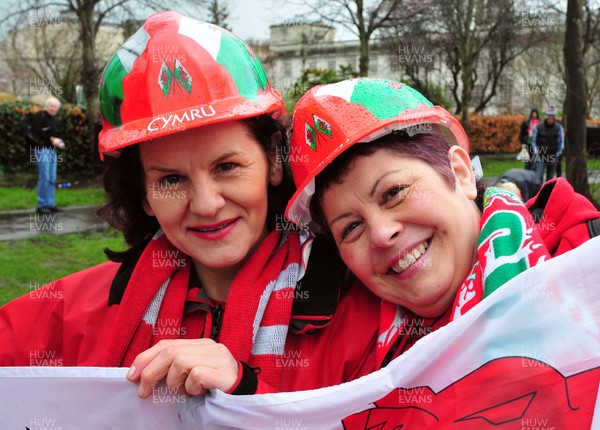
69	322
562	216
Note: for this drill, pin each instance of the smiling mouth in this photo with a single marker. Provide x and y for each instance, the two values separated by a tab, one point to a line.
213	228
410	258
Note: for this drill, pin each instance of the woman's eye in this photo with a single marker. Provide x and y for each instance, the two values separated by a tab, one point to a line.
349	229
170	180
226	167
392	193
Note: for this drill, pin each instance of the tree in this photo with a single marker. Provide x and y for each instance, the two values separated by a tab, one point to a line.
88	17
218	13
362	17
416	48
575	106
541	69
47	57
312	77
483	37
591	53
506	42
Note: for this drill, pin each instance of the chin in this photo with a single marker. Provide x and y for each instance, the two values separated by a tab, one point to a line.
430	312
223	264
432	309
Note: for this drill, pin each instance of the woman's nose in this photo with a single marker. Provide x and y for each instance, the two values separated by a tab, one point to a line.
384	231
205	198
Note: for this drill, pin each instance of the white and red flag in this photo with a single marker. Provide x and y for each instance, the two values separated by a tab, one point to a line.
527	357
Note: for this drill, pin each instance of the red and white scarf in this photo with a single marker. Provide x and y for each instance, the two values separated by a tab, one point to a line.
509	243
257	313
533	123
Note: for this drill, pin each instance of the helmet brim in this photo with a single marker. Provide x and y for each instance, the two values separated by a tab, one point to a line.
444	124
113	140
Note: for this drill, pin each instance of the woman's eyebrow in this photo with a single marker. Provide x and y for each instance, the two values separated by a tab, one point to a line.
372	193
216	161
225	156
160	169
337	218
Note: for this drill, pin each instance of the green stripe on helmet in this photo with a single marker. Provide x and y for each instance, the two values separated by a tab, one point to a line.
111	91
245	69
120	64
386	99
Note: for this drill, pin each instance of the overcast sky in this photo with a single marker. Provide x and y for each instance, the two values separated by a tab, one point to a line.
252	18
249	19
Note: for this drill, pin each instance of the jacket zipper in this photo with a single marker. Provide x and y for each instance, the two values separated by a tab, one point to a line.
217	315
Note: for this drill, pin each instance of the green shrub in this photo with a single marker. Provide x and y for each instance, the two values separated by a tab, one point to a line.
80	155
312	77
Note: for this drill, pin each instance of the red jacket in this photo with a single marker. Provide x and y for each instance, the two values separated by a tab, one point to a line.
69	322
562	216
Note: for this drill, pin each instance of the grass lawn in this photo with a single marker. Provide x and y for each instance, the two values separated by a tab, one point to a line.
30	263
496	164
25	198
13	196
18	191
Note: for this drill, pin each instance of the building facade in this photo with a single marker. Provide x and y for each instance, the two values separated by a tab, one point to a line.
293	48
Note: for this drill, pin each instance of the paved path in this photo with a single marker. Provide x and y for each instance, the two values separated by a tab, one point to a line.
24	224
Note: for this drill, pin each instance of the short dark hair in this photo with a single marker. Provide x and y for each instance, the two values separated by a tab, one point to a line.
123	181
431	148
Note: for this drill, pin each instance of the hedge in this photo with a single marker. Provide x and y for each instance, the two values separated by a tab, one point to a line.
487	135
495	134
499	134
80	156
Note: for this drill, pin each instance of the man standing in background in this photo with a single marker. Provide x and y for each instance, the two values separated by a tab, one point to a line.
41	131
527	128
547	145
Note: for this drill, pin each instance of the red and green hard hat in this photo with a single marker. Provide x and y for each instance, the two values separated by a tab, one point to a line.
329	119
176	73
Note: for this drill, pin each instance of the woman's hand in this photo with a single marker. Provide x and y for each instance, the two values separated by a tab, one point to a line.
191	366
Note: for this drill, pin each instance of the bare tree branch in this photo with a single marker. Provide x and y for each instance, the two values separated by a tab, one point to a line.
361	17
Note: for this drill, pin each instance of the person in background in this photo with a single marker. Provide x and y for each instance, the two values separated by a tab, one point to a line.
525	133
559	163
524	183
41	135
547	145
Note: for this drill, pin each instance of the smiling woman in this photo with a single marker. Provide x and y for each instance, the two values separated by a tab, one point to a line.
211	204
402	196
387	176
205	296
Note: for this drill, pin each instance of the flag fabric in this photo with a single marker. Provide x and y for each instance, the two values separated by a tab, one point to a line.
527	357
66	398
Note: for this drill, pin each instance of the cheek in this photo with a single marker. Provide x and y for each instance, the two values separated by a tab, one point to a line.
165	210
253	197
251	200
354	260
